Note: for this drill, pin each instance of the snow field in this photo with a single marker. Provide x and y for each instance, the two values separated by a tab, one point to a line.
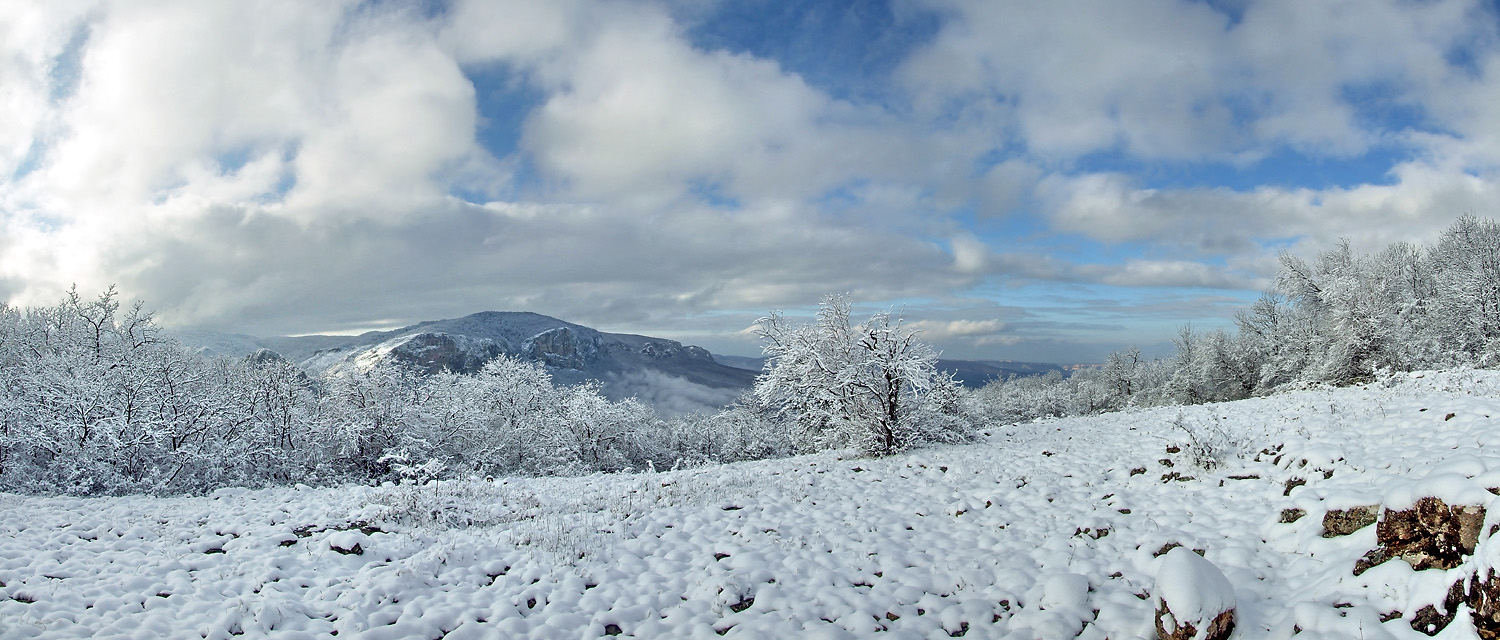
1051	529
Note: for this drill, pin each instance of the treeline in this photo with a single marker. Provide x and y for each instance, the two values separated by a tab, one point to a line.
1343	319
94	399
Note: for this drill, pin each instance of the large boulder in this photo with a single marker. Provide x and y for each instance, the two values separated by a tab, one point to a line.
1194	601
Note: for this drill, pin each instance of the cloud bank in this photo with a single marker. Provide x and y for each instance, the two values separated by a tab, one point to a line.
1040	181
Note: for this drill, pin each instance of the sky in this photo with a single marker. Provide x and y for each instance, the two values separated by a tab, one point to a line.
1044	181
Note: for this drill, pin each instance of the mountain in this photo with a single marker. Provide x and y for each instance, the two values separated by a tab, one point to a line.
665	373
969	373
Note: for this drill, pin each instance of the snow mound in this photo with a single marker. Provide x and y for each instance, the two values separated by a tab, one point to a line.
1192	589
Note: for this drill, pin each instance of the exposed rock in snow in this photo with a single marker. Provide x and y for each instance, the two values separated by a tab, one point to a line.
1483	598
348	542
1342	522
1432	619
435	352
1194	601
1430	535
265	356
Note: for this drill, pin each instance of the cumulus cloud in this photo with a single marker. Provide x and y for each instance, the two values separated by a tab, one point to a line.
1184	80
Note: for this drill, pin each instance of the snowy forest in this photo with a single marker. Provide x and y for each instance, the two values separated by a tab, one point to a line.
98	401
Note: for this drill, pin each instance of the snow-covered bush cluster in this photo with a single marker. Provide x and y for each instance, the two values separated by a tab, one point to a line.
1344	319
95	400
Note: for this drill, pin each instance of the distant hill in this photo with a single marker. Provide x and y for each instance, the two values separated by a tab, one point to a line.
750	363
970	373
665	373
977	373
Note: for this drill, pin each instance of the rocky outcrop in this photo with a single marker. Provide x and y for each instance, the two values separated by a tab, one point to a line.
1430	535
264	357
660	349
436	352
1483	599
562	347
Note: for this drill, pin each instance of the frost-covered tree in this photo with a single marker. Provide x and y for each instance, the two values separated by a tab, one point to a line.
845	384
1465	269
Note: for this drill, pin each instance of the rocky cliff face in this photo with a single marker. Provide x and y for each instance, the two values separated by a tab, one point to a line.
563	348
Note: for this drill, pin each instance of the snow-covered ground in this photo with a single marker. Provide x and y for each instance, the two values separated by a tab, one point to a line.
1053	529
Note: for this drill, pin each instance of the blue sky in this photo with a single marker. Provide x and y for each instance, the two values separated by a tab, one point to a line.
1038	181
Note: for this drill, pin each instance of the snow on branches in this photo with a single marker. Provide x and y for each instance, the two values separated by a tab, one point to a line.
864	385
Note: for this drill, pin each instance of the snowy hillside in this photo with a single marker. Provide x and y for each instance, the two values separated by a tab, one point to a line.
1051	529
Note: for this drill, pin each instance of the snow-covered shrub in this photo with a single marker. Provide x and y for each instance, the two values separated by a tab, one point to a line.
422	497
844	384
455	503
1026	398
1208	443
370	414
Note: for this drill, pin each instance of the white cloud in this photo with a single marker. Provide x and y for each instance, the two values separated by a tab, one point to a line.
938	330
637	115
1222	222
1168	273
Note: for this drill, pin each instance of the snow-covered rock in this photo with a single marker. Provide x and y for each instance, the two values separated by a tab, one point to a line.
1194	601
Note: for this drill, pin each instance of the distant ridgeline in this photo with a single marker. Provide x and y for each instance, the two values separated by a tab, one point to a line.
970	373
